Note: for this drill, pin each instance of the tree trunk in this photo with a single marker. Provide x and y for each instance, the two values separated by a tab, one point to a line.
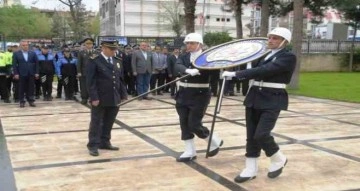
265	15
297	41
189	10
238	12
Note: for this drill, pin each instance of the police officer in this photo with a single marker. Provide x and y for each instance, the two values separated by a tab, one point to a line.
47	71
83	60
106	89
192	100
5	71
66	70
264	101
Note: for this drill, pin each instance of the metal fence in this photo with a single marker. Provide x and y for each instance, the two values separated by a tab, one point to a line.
309	46
328	46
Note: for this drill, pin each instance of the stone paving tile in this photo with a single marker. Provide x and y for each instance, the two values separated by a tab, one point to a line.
144	174
307	170
47	147
71	147
348	146
46	123
303	128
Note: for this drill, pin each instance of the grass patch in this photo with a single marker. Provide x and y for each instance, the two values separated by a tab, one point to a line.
330	85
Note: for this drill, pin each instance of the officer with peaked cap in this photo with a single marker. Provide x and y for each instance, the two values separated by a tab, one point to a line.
266	98
192	100
83	60
104	82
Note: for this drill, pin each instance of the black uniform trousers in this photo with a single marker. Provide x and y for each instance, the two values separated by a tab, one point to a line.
130	82
259	124
69	85
46	84
3	88
59	87
15	89
83	91
102	120
26	86
191	113
38	85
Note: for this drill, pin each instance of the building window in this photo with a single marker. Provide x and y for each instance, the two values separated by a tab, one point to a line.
218	19
227	19
118	19
103	10
222	19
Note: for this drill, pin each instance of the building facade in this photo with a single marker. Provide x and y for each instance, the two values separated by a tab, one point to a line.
145	18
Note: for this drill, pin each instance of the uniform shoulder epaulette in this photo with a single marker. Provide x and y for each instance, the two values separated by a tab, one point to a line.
93	56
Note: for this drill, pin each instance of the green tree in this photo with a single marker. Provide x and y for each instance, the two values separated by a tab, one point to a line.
189	10
297	41
22	23
170	14
93	28
78	17
351	12
216	38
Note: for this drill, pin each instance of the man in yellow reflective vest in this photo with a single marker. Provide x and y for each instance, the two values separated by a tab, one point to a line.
5	71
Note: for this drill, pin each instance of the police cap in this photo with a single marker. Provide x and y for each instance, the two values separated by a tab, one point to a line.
88	41
45	47
112	44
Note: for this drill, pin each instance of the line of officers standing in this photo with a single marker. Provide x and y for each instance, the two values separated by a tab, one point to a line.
28	73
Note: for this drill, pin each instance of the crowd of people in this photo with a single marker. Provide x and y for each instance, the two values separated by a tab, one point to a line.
145	68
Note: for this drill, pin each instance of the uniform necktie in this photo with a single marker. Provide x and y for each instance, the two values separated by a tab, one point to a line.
109	60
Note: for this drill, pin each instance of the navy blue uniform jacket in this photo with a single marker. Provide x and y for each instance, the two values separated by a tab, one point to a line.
277	69
105	81
25	68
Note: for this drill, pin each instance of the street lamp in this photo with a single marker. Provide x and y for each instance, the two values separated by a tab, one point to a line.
357	19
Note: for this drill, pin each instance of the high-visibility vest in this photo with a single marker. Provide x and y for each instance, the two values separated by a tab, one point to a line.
3	59
9	56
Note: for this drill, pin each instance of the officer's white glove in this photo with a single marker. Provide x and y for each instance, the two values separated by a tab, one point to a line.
228	75
192	72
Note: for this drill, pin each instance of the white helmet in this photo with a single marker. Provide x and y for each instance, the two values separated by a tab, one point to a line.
193	37
283	32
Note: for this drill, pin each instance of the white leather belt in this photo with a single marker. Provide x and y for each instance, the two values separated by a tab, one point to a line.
269	84
193	85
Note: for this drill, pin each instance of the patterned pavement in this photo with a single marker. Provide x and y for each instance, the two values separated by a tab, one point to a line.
44	148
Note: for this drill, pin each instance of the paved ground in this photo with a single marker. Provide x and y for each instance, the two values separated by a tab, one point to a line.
43	148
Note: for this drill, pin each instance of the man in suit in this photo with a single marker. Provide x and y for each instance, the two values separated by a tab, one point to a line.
158	74
105	85
128	74
83	60
26	70
264	101
171	61
142	67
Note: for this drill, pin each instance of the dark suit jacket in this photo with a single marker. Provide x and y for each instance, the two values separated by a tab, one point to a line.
139	64
277	69
105	82
171	61
22	67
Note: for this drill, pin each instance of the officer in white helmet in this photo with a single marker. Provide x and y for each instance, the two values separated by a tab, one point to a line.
267	96
192	100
